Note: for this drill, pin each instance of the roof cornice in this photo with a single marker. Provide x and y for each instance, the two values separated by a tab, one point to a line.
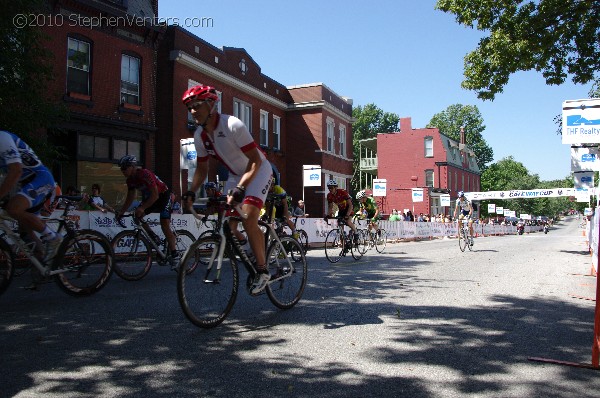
194	63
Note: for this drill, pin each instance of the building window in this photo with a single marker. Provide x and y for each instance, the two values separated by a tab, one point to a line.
94	147
243	111
342	140
276	132
428	147
126	147
429	178
130	80
330	136
264	128
78	67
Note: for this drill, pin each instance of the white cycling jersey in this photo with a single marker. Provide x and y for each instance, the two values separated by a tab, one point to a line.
229	143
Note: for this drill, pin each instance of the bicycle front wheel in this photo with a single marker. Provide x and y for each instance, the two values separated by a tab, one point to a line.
207	295
303	239
334	246
357	246
462	240
288	273
184	239
133	255
380	240
363	240
7	263
85	262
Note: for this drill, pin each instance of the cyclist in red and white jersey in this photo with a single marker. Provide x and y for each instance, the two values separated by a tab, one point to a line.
227	139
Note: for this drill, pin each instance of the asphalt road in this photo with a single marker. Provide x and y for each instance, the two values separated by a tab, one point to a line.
421	320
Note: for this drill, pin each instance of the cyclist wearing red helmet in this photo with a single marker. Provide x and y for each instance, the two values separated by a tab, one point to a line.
227	139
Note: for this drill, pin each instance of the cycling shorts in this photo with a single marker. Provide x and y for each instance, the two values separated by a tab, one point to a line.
257	190
36	189
163	205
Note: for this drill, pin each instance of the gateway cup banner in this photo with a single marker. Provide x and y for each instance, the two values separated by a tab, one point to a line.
522	194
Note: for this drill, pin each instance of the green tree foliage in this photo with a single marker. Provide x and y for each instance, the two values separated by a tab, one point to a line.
555	37
508	174
25	70
456	116
370	120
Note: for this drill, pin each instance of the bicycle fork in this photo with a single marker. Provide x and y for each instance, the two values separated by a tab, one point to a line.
218	255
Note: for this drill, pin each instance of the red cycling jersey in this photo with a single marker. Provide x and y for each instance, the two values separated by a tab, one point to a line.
339	198
144	180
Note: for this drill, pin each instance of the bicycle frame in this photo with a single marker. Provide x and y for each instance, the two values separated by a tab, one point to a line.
138	227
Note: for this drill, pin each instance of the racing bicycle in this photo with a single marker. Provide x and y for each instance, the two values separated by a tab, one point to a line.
338	243
207	295
464	236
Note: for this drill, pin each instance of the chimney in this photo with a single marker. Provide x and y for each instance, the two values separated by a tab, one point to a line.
405	124
462	136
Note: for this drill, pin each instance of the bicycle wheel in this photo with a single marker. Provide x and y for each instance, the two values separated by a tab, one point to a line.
356	246
7	261
303	239
207	295
288	274
334	247
380	240
363	243
85	260
462	241
133	255
183	240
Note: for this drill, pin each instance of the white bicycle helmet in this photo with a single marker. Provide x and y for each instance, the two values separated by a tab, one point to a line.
332	183
361	194
461	194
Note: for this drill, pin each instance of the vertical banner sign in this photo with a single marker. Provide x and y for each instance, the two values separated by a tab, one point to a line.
445	200
491	208
379	187
417	195
187	157
584	179
585	159
312	175
581	121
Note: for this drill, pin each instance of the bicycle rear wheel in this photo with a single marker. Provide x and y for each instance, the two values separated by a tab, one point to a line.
183	240
462	241
7	262
133	255
288	274
334	246
85	260
207	295
380	240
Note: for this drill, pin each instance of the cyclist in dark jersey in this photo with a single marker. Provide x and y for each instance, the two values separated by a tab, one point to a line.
156	198
344	204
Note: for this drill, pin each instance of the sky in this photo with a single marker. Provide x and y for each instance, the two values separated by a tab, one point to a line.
402	55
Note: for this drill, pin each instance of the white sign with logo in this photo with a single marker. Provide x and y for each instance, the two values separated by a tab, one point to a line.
584	179
445	200
585	159
312	176
379	187
491	208
581	121
417	194
499	210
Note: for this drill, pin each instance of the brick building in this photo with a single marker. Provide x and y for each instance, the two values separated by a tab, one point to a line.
105	72
422	158
295	126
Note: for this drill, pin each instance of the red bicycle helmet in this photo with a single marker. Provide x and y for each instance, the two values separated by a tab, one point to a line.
200	93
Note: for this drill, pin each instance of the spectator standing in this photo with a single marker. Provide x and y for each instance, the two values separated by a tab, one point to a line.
96	202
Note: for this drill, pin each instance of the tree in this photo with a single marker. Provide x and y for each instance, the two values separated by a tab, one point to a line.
26	67
555	37
456	116
369	121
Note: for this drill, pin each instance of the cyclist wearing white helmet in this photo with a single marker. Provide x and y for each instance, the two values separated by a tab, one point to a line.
343	200
466	210
369	208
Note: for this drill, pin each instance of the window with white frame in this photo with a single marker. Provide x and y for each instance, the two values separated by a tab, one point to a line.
243	111
342	140
429	178
276	132
330	135
264	128
78	66
130	80
428	147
